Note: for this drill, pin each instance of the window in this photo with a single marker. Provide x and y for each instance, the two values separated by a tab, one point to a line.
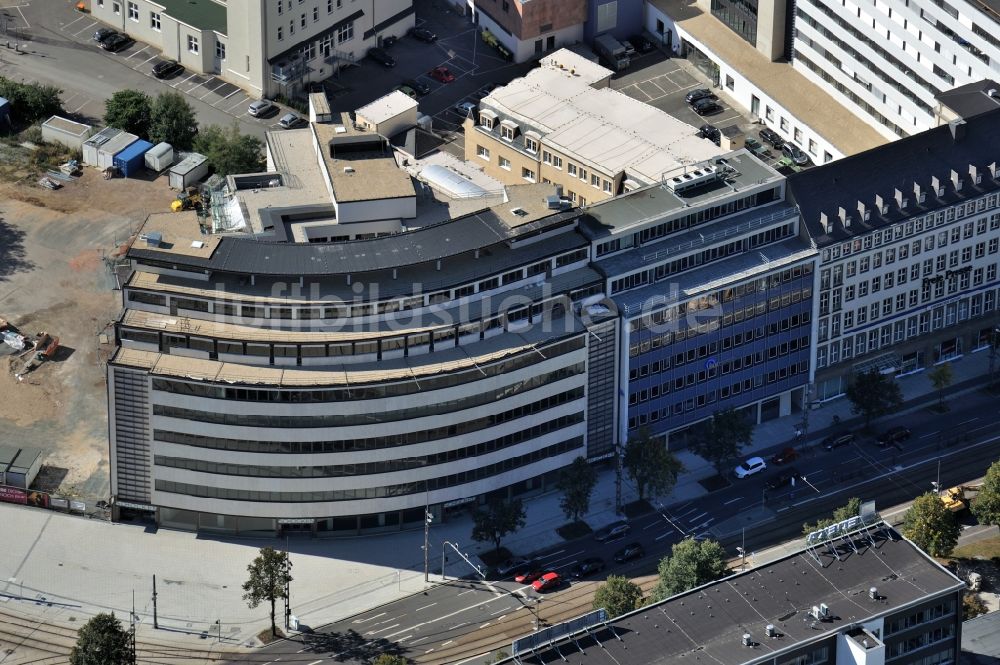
345	33
507	133
133	12
154	21
504	163
280	7
193	44
557	162
571	169
827	157
116	8
291	27
607	186
530	144
798	135
220	50
813	148
329	6
730	83
281	34
784	124
595	180
528	174
768	113
482	152
302	21
315	14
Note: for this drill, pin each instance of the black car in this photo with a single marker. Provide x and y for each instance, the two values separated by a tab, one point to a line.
837	440
423	34
629	552
420	88
389	40
641	44
706	107
381	57
894	436
587	567
515	565
770	136
116	42
711	133
794	153
167	68
612	532
782	479
102	34
698	93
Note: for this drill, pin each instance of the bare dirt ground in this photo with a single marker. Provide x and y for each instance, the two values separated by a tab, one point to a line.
53	278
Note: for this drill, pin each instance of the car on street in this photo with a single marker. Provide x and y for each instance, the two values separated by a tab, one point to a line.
289	121
893	436
641	44
588	566
751	466
423	34
408	91
698	93
167	68
528	576
260	108
629	552
441	75
785	456
794	153
381	56
782	479
772	138
465	108
102	34
838	439
710	132
514	565
548	581
420	88
706	107
612	531
116	42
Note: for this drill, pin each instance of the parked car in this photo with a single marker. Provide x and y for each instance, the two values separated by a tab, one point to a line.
698	93
750	467
706	107
420	88
782	479
785	456
441	75
528	577
547	581
894	436
710	132
641	44
289	120
629	552
612	532
837	440
116	42
465	108
102	34
260	108
514	565
381	56
771	137
423	34
588	566
408	91
754	146
167	68
794	153
389	40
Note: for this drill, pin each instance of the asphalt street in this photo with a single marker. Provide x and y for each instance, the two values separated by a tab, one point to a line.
462	619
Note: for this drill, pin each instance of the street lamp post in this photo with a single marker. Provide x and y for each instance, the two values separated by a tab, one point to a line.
428	518
533	607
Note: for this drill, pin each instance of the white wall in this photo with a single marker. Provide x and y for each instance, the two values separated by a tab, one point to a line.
381	209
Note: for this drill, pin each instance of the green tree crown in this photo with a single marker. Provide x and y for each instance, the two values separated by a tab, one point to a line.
931	526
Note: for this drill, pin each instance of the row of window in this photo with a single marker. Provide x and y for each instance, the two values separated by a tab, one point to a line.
366	468
939	634
378	391
945	607
462	478
347	420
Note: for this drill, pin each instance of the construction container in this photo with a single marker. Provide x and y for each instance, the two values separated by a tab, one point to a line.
188	171
66	132
22	467
159	157
91	145
106	153
130	161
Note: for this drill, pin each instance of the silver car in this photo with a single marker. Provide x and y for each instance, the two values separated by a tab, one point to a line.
259	108
289	120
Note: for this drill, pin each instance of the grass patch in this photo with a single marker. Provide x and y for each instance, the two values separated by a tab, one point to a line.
715	483
987	548
636	508
574	530
266	637
492	558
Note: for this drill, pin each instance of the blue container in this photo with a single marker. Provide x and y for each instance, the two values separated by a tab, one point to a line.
131	160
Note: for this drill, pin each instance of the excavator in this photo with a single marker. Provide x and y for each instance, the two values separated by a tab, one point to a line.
956	499
37	351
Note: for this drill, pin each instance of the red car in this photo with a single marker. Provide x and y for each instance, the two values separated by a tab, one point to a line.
546	582
528	577
785	456
442	75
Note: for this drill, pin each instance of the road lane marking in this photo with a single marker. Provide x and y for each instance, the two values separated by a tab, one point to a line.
78	18
549	556
970	420
739	498
424	607
376	632
404	638
152	57
661	537
929	435
469	591
976	429
697	517
484	625
26	24
137	52
503	609
89	27
369	618
230	94
448	642
416	642
315	662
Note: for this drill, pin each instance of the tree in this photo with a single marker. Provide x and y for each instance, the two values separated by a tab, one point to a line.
497	520
851	509
691	563
576	482
722	437
972	606
228	151
651	466
129	111
930	525
390	659
874	395
270	574
986	505
172	121
101	641
618	595
30	101
941	377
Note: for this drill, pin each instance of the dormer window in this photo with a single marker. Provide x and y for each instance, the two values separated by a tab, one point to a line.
508	130
487	119
531	141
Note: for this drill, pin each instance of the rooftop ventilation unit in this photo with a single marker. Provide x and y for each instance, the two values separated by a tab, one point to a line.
824	610
747	640
771	630
153	239
348	169
873	593
814	612
692	179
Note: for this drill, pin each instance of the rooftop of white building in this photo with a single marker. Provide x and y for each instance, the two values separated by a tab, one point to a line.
387	107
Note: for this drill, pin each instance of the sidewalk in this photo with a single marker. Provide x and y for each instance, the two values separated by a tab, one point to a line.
56	566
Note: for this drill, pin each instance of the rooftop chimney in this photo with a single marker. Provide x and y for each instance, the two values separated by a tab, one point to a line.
864	212
919	192
824	221
993	169
844	218
957	128
880	203
873	593
936	186
901	200
956	180
974	174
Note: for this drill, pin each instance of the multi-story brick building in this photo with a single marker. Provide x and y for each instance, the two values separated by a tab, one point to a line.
530	28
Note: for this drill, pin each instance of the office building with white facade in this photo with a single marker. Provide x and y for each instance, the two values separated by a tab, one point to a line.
267	47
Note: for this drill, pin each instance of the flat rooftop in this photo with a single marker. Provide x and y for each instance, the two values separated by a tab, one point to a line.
802	98
180	235
602	128
589	71
387	107
368	177
707	624
201	14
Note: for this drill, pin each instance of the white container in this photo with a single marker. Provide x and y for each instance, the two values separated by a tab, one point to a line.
159	157
106	153
63	130
188	171
94	143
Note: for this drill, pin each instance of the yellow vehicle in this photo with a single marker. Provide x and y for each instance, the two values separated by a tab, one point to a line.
190	200
956	499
